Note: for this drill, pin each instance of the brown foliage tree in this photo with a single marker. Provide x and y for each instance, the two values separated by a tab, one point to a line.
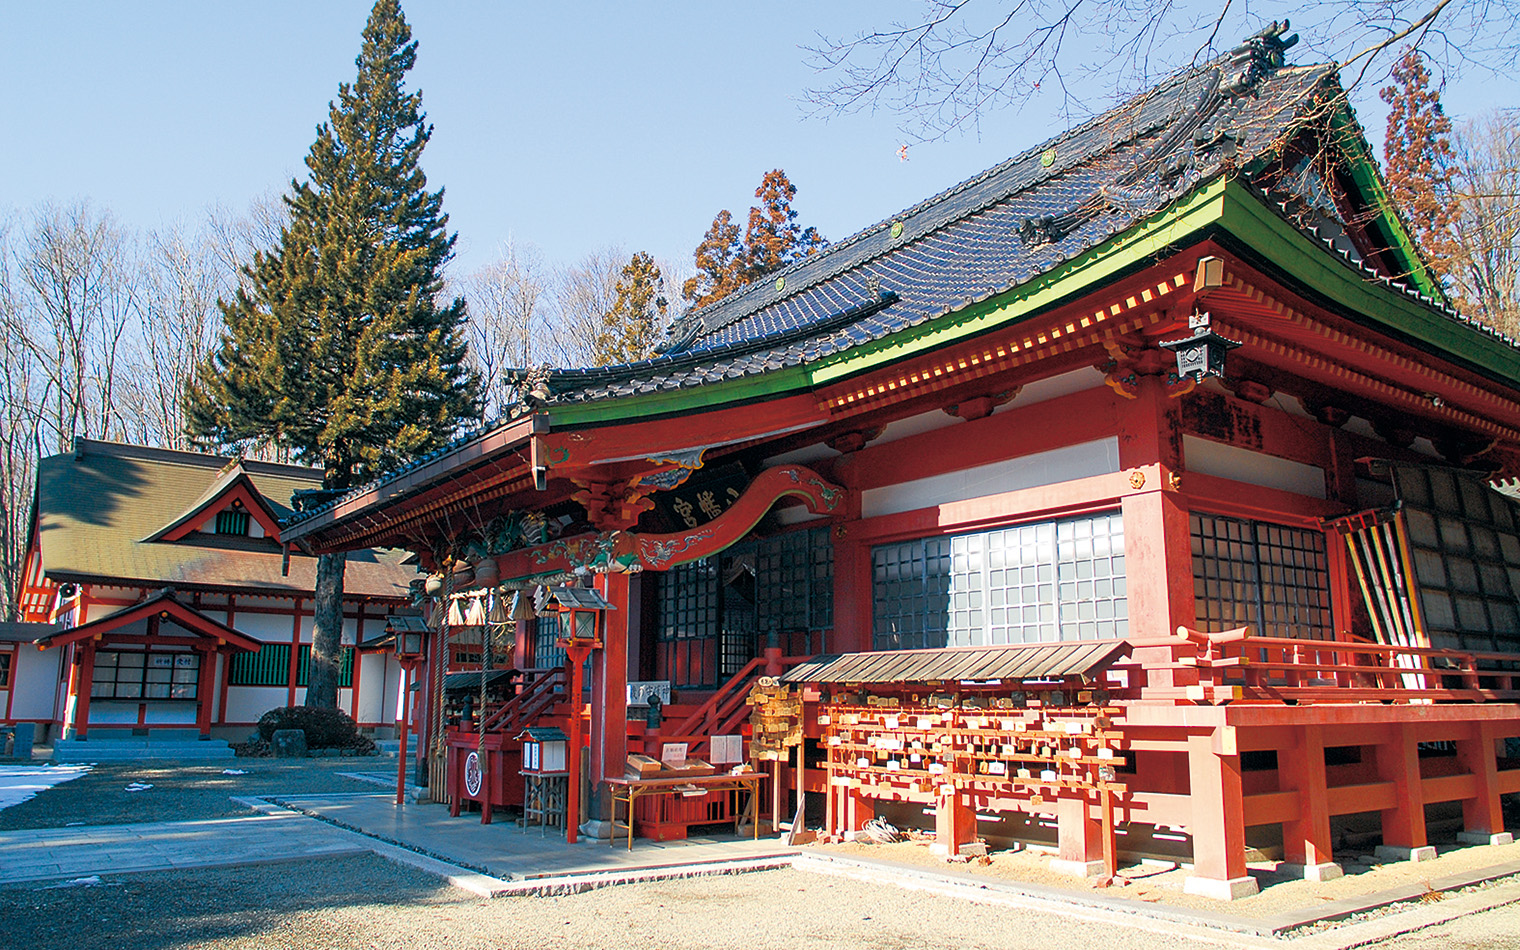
1418	155
772	240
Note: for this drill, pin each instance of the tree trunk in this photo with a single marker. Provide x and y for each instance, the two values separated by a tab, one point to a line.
327	632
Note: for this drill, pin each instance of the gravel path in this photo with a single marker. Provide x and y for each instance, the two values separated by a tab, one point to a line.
369	902
181	792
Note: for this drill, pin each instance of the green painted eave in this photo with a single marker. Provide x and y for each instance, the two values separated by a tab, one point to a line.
1358	295
1135	247
1222	204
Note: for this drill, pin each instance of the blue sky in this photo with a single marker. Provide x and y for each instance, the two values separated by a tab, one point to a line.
566	125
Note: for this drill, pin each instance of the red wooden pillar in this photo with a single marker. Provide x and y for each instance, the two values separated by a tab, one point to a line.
575	657
858	810
1306	838
205	682
1398	762
954	822
86	684
1482	817
1218	827
1078	836
1157	541
609	698
852	590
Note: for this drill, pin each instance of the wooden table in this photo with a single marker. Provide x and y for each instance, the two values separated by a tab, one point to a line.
627	791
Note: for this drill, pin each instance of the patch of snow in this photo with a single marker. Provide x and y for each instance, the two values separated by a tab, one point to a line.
21	782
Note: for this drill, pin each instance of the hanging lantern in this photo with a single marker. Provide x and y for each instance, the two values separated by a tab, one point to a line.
1201	354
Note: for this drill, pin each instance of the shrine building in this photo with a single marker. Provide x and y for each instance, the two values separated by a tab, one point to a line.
157	598
1134	497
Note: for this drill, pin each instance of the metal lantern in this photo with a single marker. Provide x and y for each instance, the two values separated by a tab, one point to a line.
1201	354
580	610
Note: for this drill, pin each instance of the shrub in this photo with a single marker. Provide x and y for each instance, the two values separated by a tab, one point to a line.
325	727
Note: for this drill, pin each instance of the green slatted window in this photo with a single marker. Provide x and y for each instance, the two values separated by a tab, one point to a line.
270	666
345	667
232	521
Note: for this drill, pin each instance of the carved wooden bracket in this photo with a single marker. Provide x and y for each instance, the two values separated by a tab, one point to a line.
980	407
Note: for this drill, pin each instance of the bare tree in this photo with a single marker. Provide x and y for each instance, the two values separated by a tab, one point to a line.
583	294
960	60
183	276
77	289
20	429
1486	183
507	301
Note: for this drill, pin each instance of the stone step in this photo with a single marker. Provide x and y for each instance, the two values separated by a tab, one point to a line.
126	750
388	747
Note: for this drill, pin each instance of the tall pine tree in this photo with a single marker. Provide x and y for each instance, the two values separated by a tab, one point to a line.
341	348
772	241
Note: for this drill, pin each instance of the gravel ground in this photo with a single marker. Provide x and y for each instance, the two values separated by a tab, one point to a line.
369	902
1280	893
182	792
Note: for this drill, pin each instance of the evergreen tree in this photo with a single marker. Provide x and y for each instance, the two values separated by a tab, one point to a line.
339	347
772	241
1418	157
632	327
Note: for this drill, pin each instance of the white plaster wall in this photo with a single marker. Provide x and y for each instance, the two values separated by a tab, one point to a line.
375	689
35	682
268	628
164	714
107	712
1099	457
1254	468
245	704
1055	387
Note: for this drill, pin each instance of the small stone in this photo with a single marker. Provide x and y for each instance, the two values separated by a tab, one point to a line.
289	743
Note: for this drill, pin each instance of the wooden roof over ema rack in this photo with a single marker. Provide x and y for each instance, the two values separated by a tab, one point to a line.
1026	661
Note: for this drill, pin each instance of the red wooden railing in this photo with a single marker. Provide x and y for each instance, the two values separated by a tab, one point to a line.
1236	664
722	714
541	692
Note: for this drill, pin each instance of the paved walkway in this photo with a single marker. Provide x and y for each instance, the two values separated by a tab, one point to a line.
107	849
507	851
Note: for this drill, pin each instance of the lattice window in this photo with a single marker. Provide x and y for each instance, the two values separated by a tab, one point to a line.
1466	552
1044	581
139	675
345	667
269	666
794	588
547	653
1269	577
5	669
232	521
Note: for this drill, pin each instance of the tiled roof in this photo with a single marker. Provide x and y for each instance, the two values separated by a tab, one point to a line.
96	505
1023	661
985	236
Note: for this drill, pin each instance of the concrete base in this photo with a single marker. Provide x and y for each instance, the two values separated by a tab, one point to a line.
1231	890
1077	868
1483	837
1327	871
1388	852
596	828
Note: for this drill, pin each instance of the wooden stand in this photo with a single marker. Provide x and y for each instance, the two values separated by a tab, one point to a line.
545	801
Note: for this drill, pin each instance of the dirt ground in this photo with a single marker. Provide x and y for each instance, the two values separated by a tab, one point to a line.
1279	892
369	902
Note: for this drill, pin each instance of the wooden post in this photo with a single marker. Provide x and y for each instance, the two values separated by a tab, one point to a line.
401	723
1482	816
1078	837
1398	762
575	655
86	685
1218	825
203	691
1306	838
609	699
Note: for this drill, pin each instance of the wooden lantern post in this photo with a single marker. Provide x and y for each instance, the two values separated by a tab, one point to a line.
409	652
584	609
